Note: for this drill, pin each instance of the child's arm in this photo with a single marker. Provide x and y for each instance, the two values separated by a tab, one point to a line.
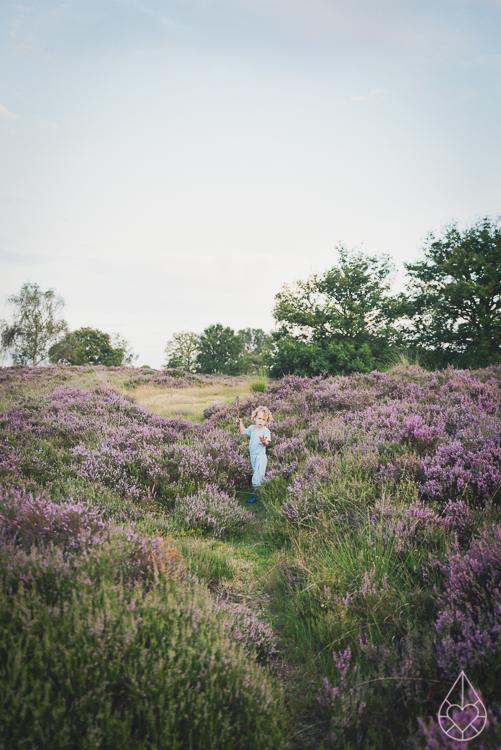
241	426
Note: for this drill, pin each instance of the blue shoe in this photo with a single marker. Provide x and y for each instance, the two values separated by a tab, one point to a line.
252	499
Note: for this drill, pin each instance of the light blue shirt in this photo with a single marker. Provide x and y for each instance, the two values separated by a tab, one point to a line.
256	447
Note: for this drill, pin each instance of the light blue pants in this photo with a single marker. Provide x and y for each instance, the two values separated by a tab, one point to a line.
259	468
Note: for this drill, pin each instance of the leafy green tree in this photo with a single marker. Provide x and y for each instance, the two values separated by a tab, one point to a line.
219	351
35	326
67	351
454	297
339	322
182	350
90	346
255	345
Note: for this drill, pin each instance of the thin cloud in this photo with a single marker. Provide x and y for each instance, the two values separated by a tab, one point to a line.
8	115
368	97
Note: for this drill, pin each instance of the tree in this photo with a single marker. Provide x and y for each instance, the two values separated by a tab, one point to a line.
255	345
118	342
219	350
90	346
35	326
182	350
339	322
454	297
254	340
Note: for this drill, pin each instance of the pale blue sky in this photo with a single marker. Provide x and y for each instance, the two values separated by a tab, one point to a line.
168	165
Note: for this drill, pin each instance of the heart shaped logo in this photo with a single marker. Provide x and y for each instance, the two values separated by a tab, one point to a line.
462	715
463	718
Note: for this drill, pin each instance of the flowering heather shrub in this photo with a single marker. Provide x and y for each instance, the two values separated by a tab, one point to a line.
10	465
27	519
86	662
469	622
464	519
114	460
288	448
410	524
408	467
303	503
305	494
215	457
406	525
453	470
247	629
212	510
332	434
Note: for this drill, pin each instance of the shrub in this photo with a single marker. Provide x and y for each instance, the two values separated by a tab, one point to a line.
212	510
88	663
469	623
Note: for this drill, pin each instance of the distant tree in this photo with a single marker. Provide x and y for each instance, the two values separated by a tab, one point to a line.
254	340
219	350
69	350
91	346
454	297
255	344
118	342
182	350
35	326
339	322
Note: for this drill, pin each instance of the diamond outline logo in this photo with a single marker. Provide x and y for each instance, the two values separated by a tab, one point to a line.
462	699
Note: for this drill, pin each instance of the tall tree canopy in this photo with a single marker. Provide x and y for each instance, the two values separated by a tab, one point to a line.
454	298
339	322
35	326
219	350
90	346
182	350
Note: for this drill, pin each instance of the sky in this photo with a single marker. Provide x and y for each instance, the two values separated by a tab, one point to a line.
166	165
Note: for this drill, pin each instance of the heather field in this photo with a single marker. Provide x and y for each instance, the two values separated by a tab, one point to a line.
145	604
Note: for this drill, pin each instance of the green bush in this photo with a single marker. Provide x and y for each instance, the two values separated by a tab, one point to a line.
89	663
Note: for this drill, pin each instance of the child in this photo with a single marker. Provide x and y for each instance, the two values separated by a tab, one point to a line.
260	438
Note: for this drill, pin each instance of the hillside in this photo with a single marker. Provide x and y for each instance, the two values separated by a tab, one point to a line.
147	605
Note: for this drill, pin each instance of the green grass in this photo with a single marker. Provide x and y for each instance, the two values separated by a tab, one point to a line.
260	384
206	560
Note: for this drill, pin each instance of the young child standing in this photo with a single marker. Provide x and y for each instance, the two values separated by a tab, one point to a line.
260	439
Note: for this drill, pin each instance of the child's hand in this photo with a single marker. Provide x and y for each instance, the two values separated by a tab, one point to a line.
263	440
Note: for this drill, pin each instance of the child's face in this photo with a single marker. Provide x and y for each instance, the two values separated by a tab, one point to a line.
261	419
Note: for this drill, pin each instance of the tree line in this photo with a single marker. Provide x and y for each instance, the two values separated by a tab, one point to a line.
37	334
343	320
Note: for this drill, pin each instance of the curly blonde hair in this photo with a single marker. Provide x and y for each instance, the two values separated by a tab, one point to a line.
266	412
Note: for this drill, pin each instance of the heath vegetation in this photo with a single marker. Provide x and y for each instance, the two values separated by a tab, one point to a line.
146	605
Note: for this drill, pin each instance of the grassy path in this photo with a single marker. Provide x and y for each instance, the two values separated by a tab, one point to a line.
246	572
249	576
